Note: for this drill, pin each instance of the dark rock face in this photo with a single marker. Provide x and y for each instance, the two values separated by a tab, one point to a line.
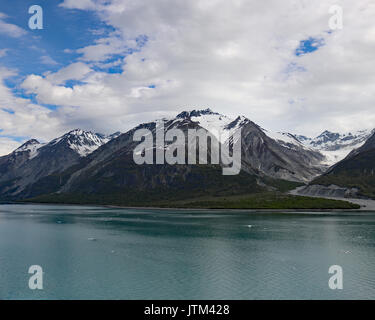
114	162
266	155
369	145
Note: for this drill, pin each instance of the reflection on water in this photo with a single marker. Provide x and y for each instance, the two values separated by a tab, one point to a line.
105	253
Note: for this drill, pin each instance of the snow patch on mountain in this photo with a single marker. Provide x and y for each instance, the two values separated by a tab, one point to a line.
31	146
214	122
83	142
221	126
287	140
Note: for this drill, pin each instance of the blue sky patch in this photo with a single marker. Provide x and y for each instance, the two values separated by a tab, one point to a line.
10	111
52	48
30	53
15	138
309	45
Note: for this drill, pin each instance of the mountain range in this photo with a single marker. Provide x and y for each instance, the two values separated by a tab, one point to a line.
336	146
355	175
95	168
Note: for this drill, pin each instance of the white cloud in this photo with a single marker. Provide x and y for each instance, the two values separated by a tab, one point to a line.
7	145
48	60
237	57
9	29
79	4
27	119
105	48
74	71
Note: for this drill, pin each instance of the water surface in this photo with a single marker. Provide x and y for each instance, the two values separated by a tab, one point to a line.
105	253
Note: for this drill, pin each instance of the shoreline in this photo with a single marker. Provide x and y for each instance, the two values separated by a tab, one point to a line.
262	210
365	204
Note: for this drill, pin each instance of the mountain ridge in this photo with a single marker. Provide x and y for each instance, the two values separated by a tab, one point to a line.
34	160
83	161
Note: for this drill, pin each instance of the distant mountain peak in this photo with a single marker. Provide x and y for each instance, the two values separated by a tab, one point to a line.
80	141
31	146
327	132
27	144
336	146
327	136
78	132
196	113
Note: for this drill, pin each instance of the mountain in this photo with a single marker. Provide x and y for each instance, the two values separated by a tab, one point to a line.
109	174
335	146
356	173
33	160
280	156
367	146
81	142
29	148
100	169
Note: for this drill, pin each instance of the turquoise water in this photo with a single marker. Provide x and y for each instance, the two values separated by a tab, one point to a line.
103	253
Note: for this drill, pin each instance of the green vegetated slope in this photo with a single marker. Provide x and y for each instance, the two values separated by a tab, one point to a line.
233	196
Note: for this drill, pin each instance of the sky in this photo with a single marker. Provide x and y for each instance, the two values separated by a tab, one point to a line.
107	65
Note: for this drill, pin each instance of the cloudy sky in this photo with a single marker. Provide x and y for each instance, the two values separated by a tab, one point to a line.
106	65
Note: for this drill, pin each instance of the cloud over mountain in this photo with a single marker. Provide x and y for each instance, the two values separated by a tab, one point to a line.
246	57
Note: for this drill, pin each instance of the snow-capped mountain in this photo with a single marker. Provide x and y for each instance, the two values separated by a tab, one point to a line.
34	161
30	147
263	160
68	164
82	142
218	123
213	122
336	146
332	146
278	155
286	139
351	178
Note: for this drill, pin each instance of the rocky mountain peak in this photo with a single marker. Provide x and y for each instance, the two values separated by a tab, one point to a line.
31	147
27	144
80	141
326	136
196	113
238	122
